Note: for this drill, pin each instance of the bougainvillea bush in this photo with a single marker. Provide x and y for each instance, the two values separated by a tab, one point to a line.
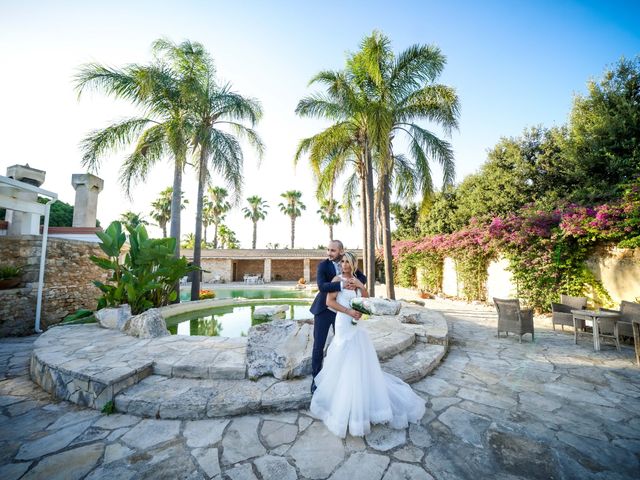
546	249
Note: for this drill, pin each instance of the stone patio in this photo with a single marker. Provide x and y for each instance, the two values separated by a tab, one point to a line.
496	409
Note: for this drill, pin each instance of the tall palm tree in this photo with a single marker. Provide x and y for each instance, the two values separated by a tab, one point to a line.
344	147
217	115
161	131
292	207
256	211
219	208
402	91
161	212
329	214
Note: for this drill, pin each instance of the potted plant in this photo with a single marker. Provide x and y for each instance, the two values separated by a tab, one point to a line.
10	276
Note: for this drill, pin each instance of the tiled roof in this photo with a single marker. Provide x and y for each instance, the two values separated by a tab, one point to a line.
246	253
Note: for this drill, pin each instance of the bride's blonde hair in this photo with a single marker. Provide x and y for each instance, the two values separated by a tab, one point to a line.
352	260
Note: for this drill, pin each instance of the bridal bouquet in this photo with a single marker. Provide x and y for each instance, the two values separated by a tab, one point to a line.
358	306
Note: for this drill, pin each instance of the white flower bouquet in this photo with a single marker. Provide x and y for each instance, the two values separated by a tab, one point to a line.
358	306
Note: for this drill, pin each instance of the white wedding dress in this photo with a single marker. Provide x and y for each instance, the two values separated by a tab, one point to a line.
353	391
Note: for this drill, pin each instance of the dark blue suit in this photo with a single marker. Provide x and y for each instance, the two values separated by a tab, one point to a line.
323	318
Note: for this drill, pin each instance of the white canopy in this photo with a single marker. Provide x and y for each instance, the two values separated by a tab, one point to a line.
9	190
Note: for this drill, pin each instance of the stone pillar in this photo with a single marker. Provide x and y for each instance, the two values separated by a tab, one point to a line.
307	270
22	223
267	270
85	209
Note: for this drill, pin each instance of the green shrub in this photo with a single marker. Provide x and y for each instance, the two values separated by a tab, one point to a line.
148	275
7	271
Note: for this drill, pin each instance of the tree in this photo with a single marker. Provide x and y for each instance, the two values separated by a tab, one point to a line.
406	219
401	91
161	212
207	217
256	211
60	213
219	208
442	216
343	148
160	91
131	220
212	109
604	133
228	238
329	214
292	207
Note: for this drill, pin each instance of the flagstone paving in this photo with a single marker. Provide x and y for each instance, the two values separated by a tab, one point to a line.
547	409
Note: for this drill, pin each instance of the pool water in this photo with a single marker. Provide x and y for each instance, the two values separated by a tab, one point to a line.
232	321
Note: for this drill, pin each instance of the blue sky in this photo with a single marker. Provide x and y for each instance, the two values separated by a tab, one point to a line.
514	64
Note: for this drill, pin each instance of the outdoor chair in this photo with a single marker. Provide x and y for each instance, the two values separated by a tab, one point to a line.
561	312
628	311
511	318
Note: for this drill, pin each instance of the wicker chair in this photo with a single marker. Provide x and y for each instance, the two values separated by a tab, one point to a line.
628	311
511	318
561	312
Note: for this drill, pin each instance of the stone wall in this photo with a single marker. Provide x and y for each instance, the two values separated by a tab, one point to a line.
290	270
618	269
217	268
67	281
248	267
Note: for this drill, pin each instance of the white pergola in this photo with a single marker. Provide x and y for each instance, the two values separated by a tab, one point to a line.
10	199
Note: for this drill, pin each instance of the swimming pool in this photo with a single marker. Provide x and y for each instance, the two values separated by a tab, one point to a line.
235	320
231	321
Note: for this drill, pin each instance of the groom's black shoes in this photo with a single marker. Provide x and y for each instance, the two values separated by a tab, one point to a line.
313	386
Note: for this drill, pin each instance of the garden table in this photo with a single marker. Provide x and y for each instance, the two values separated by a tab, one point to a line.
594	316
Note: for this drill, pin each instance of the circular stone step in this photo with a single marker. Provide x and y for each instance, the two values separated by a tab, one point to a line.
198	377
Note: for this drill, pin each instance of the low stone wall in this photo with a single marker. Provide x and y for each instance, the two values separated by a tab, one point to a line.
67	281
618	269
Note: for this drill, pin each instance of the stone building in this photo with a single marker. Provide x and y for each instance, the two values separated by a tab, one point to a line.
271	265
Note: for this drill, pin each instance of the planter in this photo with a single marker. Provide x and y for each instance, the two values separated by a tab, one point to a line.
7	283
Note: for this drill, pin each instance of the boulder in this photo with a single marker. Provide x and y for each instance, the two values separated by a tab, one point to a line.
113	318
379	306
270	312
149	324
281	348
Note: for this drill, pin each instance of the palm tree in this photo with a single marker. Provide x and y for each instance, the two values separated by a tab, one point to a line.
162	129
228	238
161	212
345	144
188	240
212	109
207	217
402	90
257	210
293	209
329	214
132	219
219	208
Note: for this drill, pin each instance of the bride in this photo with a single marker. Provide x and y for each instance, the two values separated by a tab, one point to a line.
352	390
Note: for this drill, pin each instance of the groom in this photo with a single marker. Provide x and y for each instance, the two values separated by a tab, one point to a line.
323	318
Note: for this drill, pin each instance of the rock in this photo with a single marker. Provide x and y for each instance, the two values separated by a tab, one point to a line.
241	441
114	318
383	437
317	443
149	324
281	348
362	465
379	306
275	468
409	316
268	313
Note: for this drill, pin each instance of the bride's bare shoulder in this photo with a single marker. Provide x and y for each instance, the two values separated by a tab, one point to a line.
337	278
